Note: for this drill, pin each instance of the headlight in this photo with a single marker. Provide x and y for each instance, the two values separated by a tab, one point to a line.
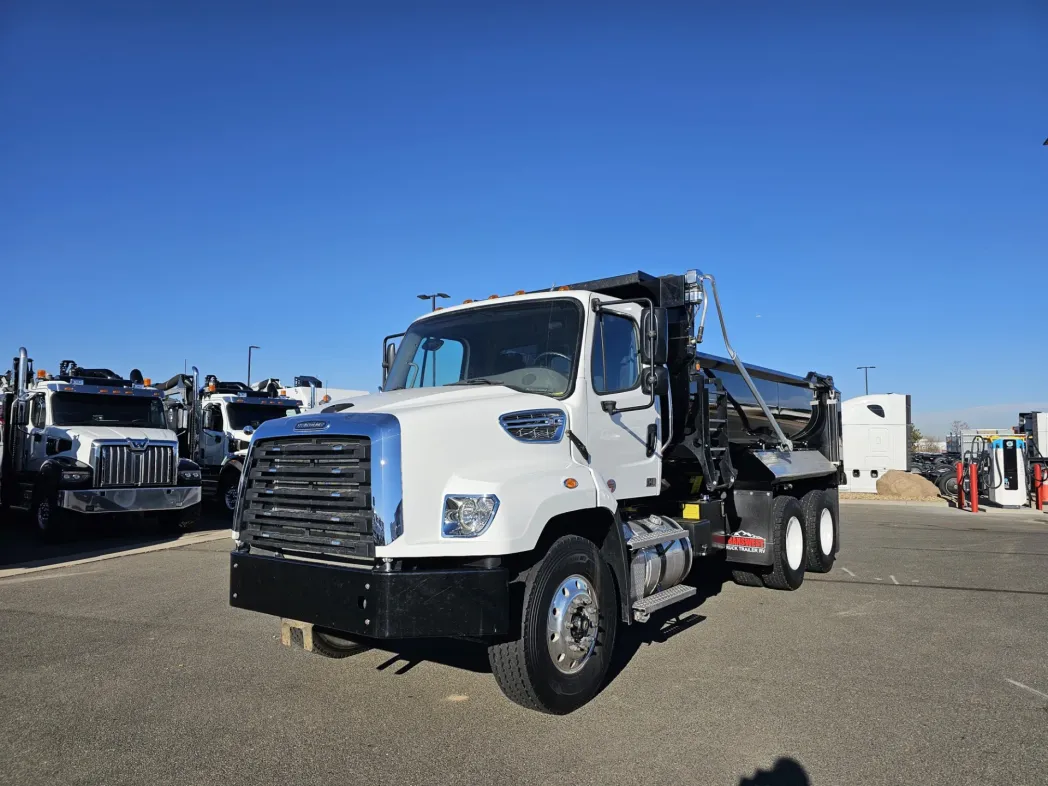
189	474
468	515
75	475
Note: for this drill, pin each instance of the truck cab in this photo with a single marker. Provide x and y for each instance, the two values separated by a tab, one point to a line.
89	441
538	469
215	423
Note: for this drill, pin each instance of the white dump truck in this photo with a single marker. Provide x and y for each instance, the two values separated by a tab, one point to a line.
88	441
538	471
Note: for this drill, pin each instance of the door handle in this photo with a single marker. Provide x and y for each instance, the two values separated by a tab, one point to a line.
653	439
37	437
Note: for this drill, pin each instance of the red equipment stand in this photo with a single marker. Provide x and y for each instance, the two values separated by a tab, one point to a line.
1040	487
972	471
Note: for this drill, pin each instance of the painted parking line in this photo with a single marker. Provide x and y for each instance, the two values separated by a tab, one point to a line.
1034	691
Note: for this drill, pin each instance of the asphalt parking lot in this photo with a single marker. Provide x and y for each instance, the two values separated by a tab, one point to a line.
920	659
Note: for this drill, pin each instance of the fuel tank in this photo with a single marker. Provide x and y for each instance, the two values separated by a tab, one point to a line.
789	397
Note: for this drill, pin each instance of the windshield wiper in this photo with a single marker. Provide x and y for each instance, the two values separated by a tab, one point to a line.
476	381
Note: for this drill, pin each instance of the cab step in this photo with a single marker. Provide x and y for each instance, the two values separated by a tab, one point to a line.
649	539
645	607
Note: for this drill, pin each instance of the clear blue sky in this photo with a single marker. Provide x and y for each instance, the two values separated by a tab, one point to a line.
181	180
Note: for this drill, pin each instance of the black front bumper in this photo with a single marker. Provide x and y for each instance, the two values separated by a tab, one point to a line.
373	603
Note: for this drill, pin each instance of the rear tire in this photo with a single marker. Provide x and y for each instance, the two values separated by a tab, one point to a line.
947	484
569	617
820	530
789	553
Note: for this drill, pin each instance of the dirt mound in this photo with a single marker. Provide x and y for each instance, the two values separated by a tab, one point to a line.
896	484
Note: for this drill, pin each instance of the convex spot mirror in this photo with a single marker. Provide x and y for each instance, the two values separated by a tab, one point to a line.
654	319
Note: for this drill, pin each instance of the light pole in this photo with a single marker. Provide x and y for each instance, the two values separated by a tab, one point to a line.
866	371
249	363
433	298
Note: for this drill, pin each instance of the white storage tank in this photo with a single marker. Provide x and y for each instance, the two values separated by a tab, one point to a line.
875	439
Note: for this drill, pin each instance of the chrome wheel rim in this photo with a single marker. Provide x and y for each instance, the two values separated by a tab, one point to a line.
43	515
571	624
826	531
230	498
794	543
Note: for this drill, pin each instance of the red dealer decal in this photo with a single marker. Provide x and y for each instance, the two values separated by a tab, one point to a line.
745	541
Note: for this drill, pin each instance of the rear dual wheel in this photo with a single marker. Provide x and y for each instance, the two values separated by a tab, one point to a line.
789	554
820	509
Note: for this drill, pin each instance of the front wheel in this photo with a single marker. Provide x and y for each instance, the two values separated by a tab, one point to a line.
227	493
49	520
569	617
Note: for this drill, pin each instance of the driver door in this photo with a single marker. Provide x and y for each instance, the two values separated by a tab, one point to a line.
213	443
36	441
620	443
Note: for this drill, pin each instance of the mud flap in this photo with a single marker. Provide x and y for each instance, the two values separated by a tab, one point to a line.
751	540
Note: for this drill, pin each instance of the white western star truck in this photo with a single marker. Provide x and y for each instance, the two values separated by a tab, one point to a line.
88	441
215	422
537	471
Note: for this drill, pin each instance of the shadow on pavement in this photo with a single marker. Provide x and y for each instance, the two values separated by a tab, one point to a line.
473	656
92	536
785	772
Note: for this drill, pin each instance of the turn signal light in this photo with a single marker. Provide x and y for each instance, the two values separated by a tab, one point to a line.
571	483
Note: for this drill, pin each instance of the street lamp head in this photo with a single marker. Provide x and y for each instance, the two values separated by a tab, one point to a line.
443	295
423	297
254	347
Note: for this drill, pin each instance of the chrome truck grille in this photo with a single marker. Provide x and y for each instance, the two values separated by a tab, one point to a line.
122	465
310	495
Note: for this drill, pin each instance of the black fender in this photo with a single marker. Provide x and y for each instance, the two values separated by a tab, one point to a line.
49	478
230	466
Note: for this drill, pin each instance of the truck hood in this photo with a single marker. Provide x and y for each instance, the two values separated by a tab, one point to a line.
397	401
87	434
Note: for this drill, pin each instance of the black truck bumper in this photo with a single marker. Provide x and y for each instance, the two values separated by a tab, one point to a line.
372	603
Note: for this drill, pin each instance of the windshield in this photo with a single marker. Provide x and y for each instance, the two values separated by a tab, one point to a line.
255	415
90	409
528	346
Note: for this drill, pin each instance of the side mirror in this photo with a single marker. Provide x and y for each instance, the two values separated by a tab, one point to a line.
209	419
389	354
657	378
249	430
654	320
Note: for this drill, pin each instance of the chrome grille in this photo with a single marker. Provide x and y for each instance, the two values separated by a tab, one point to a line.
535	426
121	465
311	495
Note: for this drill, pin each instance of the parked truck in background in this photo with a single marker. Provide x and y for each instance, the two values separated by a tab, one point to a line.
309	390
88	441
539	470
214	423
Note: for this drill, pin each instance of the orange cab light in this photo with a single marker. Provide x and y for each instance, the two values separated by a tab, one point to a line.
520	292
147	382
467	300
571	483
211	387
493	297
563	288
439	308
41	374
283	392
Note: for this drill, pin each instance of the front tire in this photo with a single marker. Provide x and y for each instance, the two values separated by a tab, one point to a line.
228	489
49	520
569	618
820	530
788	557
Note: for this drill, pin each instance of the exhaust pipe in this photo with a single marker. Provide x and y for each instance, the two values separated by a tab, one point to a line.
23	371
